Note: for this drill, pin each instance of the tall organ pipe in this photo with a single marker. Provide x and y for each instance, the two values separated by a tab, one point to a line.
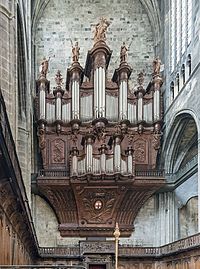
157	98
75	96
42	98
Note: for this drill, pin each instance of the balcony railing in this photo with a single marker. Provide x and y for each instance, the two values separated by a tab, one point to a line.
64	173
124	250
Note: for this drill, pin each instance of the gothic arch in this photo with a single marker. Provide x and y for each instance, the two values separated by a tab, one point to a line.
180	140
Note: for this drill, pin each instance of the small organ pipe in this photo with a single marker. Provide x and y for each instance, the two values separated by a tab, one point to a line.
89	156
140	107
74	161
117	154
103	158
58	107
130	160
42	102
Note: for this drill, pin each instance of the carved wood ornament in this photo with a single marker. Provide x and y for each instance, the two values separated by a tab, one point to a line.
99	171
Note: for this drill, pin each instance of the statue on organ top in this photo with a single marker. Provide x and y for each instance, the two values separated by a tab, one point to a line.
100	30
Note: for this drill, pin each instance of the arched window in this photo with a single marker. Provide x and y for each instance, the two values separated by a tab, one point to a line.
183	73
21	69
172	91
189	64
189	21
178	83
180	29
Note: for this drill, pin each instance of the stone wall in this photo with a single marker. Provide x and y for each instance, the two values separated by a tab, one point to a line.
64	22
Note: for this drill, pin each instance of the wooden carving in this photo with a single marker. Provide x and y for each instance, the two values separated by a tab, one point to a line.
140	151
99	162
58	151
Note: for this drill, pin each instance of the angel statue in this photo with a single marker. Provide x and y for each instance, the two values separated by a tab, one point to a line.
100	30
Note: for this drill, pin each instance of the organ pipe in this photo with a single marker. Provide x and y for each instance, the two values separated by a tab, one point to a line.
103	158
89	157
117	154
74	171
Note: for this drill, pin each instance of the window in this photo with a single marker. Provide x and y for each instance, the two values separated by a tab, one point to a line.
189	64
21	72
180	29
172	91
183	73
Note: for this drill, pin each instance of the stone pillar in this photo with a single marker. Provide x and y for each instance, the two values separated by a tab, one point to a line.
167	218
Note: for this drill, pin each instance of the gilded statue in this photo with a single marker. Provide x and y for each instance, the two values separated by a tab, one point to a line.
75	52
44	66
100	30
156	66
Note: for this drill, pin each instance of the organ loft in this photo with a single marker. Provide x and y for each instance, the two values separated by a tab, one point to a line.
99	141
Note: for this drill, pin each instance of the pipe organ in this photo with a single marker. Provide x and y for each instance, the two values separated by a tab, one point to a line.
96	138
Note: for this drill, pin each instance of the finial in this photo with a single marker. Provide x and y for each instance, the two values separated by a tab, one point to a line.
116	232
100	30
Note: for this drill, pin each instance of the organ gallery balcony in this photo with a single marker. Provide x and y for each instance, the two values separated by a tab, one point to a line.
99	142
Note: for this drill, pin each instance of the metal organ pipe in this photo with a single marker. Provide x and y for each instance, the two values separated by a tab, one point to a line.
117	155
140	107
58	106
156	103
74	171
99	84
75	99
123	100
130	160
157	80
89	156
103	158
42	99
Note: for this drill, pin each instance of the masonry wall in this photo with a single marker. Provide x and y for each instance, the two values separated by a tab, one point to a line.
64	22
15	78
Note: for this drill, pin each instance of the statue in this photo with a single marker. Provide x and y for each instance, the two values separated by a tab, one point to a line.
75	52
156	66
44	66
123	53
100	30
140	78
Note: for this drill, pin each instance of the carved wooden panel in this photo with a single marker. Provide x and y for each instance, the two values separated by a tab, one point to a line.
141	151
58	151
